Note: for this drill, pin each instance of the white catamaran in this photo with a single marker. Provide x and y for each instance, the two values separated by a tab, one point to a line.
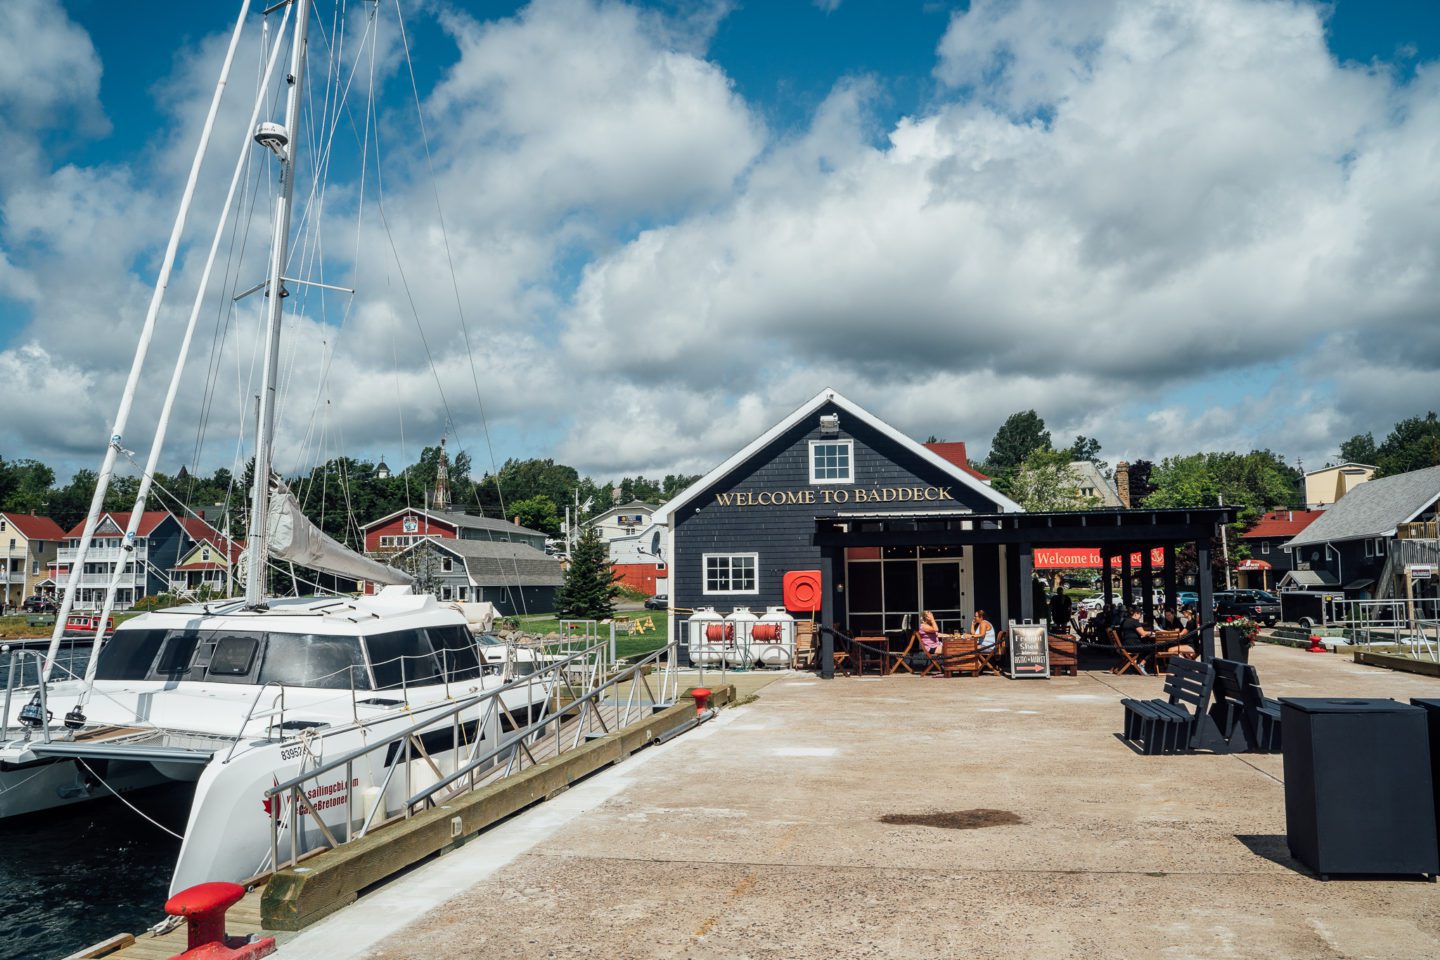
236	696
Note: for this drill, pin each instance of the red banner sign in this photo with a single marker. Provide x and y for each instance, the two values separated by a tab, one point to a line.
1055	558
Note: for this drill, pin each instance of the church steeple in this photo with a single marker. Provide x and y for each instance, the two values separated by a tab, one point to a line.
441	500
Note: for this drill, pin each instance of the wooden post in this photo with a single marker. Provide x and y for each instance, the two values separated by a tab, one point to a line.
827	615
1410	622
1127	587
1170	576
1205	612
1107	568
1027	588
1147	584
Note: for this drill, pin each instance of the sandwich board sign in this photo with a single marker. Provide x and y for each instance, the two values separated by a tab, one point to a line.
1029	650
1421	571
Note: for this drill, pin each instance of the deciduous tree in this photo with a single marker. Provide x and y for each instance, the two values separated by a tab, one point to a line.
1413	445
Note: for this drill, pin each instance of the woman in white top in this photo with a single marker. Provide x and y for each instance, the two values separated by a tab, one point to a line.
982	630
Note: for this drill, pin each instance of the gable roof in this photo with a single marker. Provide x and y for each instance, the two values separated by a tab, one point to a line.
631	507
1339	466
1374	508
497	562
954	451
457	519
1310	578
966	476
1084	471
32	527
1281	523
149	520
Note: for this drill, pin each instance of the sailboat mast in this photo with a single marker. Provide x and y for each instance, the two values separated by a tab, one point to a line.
258	548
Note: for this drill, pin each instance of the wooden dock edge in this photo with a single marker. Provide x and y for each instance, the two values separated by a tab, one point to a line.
299	896
1392	662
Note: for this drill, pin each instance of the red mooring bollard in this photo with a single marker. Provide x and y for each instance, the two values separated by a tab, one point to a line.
702	699
203	906
1315	645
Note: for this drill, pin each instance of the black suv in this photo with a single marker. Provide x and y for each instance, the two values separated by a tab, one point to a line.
1254	605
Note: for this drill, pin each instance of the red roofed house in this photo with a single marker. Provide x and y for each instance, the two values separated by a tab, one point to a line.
160	542
29	543
1269	562
207	563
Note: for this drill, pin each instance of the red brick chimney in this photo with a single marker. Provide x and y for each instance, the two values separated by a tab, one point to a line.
1122	483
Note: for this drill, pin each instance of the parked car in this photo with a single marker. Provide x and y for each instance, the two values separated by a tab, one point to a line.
38	605
1252	604
660	601
1188	596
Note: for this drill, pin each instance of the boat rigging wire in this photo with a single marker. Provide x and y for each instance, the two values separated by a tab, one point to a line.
143	815
173	390
142	349
455	288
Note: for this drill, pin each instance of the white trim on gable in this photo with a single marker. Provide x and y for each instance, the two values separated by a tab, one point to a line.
1003	504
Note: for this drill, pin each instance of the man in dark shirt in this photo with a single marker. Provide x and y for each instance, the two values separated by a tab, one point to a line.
1133	632
1060	610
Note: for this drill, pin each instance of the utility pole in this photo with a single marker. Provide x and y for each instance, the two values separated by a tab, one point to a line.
1225	549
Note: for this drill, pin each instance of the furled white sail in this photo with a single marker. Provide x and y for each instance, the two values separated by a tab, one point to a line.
293	537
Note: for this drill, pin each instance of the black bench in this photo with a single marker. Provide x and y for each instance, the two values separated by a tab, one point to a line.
1245	717
1181	722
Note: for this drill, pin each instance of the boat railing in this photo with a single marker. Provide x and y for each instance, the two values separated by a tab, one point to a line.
577	695
251	714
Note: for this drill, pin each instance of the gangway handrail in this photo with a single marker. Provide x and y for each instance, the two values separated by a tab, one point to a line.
455	707
476	762
583	706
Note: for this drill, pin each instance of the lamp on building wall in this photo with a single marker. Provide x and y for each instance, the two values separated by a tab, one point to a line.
830	424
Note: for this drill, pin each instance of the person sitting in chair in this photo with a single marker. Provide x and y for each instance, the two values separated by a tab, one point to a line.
982	631
929	633
1169	620
1133	634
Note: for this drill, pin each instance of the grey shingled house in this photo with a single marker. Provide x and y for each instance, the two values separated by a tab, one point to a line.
516	577
1364	541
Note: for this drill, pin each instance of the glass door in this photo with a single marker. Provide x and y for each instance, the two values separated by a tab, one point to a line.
942	593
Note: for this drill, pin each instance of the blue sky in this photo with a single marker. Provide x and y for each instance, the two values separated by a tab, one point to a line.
700	213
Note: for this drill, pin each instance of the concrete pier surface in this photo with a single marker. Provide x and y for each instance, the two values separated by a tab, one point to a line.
762	835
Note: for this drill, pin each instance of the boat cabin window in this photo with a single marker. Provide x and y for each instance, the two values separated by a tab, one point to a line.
455	647
403	658
234	655
314	660
176	654
129	654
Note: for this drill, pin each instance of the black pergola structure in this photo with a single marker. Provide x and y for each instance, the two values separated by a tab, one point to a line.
1117	534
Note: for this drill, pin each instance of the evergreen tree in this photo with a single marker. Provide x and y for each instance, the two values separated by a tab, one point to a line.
1019	436
589	590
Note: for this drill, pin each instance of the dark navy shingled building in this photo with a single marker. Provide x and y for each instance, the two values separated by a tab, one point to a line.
884	527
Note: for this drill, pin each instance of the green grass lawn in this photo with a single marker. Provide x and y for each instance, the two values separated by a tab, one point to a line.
626	645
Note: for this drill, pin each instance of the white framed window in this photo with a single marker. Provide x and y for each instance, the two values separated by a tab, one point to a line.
832	461
446	564
1264	546
1379	546
1369	548
731	572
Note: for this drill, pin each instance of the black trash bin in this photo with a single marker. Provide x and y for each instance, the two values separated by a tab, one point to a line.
1432	714
1358	790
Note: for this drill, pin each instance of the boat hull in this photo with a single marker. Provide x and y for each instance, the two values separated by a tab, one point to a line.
46	784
